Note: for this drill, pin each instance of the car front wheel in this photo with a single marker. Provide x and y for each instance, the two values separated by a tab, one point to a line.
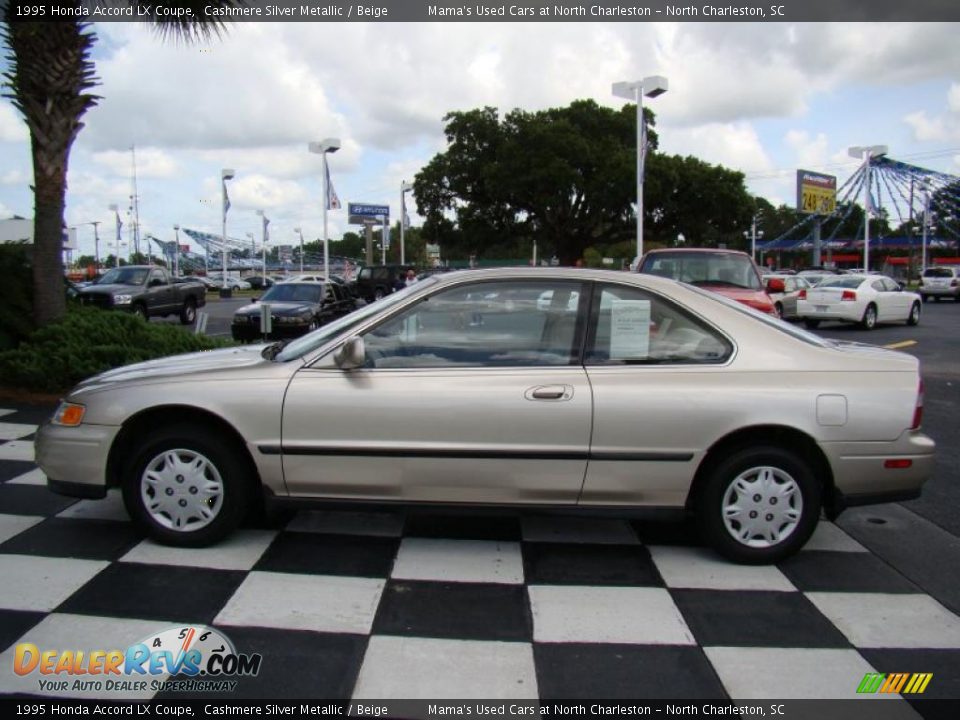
759	505
187	486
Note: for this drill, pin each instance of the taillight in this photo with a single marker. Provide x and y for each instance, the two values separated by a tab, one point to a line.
953	283
848	295
802	295
918	410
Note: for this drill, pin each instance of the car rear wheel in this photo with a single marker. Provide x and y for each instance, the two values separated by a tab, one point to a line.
378	294
188	313
187	486
140	310
779	308
811	324
759	505
914	317
869	320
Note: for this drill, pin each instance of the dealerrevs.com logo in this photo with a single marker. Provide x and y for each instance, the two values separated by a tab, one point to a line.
192	658
903	683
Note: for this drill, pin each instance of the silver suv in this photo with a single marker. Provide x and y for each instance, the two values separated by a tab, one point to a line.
938	282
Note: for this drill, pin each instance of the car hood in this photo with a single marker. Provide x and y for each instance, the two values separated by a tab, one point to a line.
178	366
276	308
111	289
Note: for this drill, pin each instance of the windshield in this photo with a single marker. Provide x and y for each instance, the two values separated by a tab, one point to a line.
311	341
293	292
123	276
704	268
851	282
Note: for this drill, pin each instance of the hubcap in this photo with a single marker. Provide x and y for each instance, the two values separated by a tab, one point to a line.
762	507
181	490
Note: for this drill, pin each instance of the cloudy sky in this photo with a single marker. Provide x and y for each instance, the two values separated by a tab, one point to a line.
762	98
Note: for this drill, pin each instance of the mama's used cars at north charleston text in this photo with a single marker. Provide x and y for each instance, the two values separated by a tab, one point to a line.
645	395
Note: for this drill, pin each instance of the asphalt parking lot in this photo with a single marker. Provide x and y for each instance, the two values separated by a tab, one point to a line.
381	605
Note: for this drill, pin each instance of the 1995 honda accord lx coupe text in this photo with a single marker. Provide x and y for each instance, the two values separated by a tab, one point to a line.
623	392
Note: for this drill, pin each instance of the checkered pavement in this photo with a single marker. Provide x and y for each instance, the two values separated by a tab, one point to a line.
382	605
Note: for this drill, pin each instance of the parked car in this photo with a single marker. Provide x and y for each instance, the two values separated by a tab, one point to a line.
649	398
940	282
305	278
730	273
295	308
864	299
147	291
215	281
784	290
259	282
377	281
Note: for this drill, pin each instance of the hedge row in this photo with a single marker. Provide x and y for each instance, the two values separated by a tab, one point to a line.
89	341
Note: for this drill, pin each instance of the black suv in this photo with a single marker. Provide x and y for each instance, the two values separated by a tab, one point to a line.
375	281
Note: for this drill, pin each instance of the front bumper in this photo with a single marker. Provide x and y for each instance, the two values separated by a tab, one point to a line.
74	459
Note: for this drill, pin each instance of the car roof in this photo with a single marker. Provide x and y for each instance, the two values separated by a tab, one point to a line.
711	251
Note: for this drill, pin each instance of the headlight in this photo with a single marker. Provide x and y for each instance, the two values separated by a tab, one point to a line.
122	299
69	414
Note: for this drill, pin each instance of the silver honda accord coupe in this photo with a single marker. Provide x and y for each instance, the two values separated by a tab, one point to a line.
537	389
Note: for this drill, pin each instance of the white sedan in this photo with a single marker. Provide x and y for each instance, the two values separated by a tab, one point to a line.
864	299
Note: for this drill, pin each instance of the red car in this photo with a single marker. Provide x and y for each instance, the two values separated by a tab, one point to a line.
730	273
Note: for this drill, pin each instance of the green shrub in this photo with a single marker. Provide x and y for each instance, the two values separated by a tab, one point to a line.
90	341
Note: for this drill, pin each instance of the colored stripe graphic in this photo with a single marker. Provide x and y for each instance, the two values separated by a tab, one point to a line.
904	683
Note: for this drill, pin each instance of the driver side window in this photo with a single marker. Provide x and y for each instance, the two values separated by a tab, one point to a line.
492	324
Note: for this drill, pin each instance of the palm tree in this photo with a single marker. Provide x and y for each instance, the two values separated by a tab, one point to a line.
50	79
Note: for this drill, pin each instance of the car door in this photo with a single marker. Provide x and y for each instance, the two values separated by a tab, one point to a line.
160	291
472	394
886	300
660	391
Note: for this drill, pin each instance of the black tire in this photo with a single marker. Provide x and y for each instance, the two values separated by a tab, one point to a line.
188	313
378	294
799	512
926	298
779	308
936	298
811	324
140	310
914	317
869	321
189	441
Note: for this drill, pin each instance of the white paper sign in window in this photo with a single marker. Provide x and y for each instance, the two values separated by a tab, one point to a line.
629	329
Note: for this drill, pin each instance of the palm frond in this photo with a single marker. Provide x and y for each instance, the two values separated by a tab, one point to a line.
192	27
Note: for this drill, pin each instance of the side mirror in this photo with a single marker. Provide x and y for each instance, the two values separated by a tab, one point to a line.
351	354
776	285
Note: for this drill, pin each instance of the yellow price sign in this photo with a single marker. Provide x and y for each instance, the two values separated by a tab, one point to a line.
816	193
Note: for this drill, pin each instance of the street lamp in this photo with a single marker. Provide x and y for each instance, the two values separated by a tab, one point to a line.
115	210
225	174
650	87
405	187
176	251
300	233
866	153
753	235
325	146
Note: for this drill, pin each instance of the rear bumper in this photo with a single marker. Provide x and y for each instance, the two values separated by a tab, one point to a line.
950	292
860	477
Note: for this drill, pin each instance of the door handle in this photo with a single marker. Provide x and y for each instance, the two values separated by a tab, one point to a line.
549	392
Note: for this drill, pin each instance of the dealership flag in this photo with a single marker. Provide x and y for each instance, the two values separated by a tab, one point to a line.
333	202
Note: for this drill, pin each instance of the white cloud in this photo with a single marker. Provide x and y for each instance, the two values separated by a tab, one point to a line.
938	128
14	177
810	152
12	126
151	162
735	145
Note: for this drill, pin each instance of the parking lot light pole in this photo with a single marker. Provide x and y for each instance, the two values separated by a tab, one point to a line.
650	87
115	210
405	187
866	153
225	174
299	232
176	251
265	223
324	147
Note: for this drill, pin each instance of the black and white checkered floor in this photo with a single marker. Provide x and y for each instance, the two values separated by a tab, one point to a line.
349	605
